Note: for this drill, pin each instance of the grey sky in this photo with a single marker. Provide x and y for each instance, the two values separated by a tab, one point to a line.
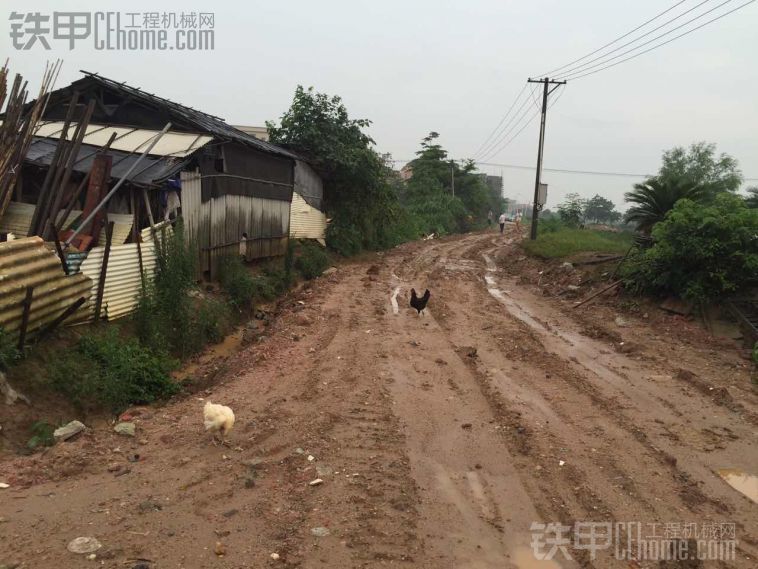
453	67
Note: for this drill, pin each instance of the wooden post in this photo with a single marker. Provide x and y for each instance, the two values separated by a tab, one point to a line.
103	270
149	211
59	249
27	304
609	287
61	318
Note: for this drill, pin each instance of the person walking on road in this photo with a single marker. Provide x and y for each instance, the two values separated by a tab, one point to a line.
501	221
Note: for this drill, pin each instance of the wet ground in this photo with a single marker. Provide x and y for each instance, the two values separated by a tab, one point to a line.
439	439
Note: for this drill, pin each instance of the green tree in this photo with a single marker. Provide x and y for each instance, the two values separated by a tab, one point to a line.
429	192
701	251
600	210
571	210
358	193
700	165
655	197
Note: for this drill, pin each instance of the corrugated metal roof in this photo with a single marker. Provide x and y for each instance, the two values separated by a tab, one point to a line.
28	262
18	218
203	122
150	171
176	144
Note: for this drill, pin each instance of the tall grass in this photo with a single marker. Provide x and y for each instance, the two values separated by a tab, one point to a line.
171	314
563	242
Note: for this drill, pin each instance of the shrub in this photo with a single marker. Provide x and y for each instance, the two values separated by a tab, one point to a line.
700	251
42	435
170	315
312	260
111	372
9	354
236	281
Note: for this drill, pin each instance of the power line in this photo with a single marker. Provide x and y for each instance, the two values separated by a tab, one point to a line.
527	123
663	25
566	170
495	151
502	119
505	129
660	44
614	41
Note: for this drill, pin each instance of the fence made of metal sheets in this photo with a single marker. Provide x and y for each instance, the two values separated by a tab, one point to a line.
26	263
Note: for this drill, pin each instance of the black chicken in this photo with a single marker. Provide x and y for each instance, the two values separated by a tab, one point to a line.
419	303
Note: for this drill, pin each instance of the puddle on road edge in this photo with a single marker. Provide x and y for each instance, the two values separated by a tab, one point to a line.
741	481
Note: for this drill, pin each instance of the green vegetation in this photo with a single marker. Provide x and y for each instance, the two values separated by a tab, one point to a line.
569	241
571	210
237	282
370	207
108	371
9	354
700	251
699	165
655	197
42	435
172	315
312	260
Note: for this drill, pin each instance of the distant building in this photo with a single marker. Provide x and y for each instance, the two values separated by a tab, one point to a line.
259	132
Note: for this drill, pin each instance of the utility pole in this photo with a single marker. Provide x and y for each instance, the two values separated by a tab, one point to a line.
546	91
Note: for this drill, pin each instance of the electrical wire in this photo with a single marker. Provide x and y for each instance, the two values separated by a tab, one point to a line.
505	130
527	123
658	45
571	70
614	41
506	143
505	116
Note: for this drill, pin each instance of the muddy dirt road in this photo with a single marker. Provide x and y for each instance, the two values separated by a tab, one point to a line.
439	439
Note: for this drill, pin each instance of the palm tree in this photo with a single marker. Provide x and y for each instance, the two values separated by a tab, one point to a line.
655	197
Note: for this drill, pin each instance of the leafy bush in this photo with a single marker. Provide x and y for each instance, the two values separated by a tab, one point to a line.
550	225
170	315
9	353
111	372
42	435
312	260
566	241
700	251
236	281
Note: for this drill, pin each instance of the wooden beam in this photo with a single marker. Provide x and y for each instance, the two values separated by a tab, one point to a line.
103	270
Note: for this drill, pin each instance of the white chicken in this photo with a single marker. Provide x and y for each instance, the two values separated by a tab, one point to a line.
218	419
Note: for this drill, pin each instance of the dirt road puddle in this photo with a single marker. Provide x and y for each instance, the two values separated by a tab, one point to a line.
741	481
231	344
523	558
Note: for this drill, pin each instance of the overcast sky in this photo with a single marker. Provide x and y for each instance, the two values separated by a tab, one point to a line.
453	67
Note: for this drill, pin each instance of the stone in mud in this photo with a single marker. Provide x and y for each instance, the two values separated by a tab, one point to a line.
125	429
329	271
83	545
320	531
68	430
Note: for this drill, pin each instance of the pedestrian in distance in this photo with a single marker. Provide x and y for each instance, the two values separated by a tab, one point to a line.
501	221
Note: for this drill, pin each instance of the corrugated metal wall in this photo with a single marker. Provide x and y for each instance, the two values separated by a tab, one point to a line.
28	262
122	281
18	218
215	227
306	222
